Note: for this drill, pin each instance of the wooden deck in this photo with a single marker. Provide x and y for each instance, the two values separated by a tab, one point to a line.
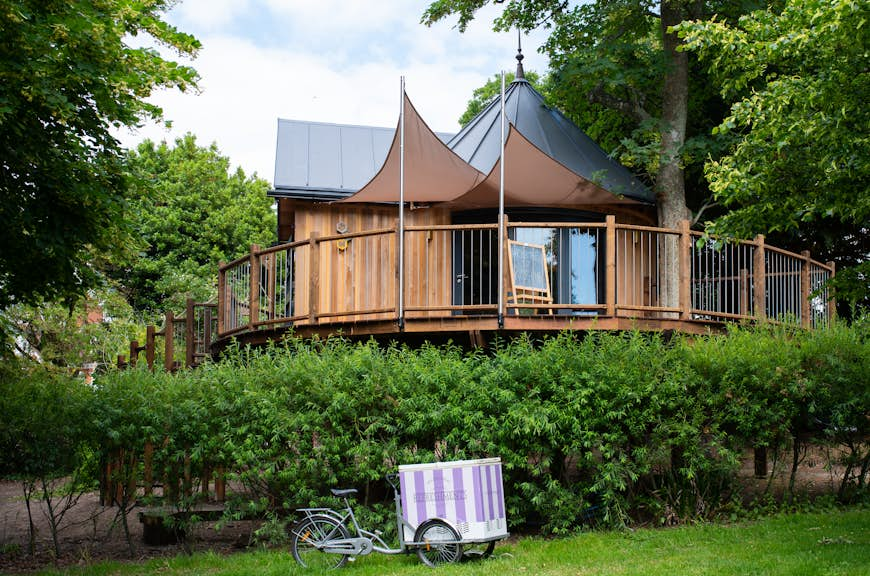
599	276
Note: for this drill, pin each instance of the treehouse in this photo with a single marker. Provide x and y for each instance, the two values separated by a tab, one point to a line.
519	222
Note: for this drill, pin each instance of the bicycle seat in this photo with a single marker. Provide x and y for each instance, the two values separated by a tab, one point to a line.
343	493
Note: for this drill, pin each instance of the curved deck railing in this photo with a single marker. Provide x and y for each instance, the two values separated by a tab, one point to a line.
626	270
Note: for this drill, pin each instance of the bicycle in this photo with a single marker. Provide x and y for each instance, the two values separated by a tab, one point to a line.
323	537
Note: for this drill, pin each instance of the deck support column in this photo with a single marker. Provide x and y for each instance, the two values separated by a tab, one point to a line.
169	342
134	353
758	279
254	292
610	266
685	255
806	313
221	302
313	277
189	334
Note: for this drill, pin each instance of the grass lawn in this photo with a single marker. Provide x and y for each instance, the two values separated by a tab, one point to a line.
830	543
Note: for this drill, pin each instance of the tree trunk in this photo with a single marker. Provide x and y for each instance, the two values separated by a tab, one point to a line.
670	183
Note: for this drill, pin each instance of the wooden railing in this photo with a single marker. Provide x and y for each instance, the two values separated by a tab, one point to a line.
182	341
450	270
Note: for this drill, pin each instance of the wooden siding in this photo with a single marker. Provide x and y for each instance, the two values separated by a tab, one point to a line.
358	273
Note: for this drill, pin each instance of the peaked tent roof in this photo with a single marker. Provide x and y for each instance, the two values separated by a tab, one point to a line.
432	171
546	128
533	178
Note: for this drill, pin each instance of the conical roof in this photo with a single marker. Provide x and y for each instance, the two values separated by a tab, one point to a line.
479	142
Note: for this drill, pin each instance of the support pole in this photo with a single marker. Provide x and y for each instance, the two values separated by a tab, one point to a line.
501	226
401	233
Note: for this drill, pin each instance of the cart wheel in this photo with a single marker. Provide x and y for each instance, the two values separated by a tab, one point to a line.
441	543
309	534
478	551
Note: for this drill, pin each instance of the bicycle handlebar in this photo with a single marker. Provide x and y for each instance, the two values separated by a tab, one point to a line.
392	480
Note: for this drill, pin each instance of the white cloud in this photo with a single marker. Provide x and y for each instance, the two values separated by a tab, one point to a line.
332	61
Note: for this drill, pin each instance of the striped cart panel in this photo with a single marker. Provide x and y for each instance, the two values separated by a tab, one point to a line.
469	494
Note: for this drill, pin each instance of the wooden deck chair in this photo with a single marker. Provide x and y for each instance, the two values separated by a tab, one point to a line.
529	277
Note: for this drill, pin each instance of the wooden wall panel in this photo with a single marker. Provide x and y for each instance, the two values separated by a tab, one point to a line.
359	274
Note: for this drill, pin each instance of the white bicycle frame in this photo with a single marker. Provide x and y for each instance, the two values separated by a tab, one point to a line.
365	542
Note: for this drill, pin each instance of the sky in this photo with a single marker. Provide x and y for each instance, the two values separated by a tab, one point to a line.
335	61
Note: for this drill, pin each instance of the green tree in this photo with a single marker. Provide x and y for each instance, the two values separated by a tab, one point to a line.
618	55
68	77
800	163
95	330
190	213
492	89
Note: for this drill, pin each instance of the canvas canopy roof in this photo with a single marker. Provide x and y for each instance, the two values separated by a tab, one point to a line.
532	178
433	172
548	161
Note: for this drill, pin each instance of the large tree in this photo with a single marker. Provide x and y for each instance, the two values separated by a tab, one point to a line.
621	55
190	212
68	77
800	164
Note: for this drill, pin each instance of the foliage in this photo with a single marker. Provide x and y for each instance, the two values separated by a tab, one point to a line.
801	153
481	97
612	428
69	77
96	330
45	440
190	213
616	73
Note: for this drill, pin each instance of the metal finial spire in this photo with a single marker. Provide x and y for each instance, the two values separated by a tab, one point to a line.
520	74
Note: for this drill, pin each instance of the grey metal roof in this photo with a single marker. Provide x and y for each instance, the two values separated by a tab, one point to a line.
479	143
321	161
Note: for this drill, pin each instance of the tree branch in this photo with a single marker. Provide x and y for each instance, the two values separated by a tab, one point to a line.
631	106
706	205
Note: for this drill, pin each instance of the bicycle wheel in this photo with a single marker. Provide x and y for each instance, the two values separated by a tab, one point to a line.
441	543
311	533
478	550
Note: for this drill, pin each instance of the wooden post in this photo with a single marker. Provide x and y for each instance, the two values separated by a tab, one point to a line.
832	301
760	462
685	256
148	467
149	346
758	278
189	334
610	259
134	353
806	312
313	277
221	299
271	284
205	480
121	362
169	343
206	333
220	485
254	293
744	292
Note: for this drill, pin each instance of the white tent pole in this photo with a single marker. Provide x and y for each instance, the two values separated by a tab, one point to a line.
501	231
401	237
